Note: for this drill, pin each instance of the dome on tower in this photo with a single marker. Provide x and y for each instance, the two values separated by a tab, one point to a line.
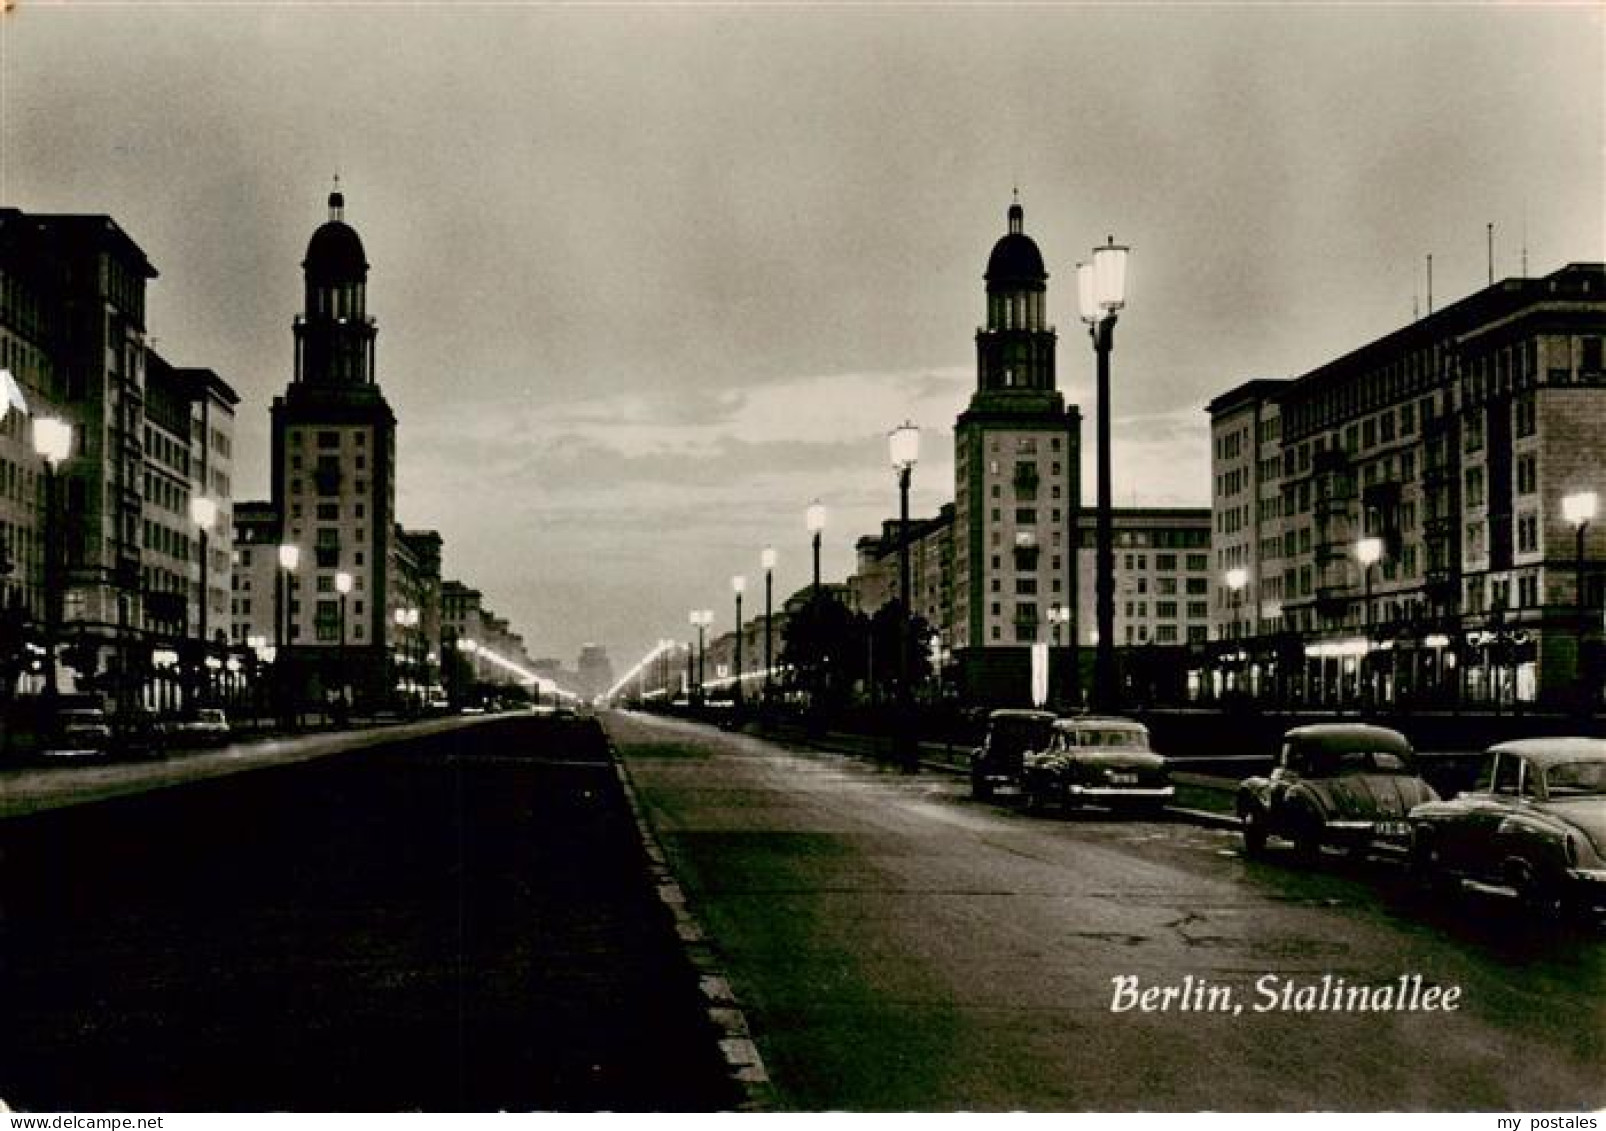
1015	258
335	254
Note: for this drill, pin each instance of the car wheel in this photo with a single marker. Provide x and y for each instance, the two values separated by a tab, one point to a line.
1254	829
1425	862
980	787
1307	836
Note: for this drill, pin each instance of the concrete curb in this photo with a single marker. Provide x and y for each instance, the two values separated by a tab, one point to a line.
742	1059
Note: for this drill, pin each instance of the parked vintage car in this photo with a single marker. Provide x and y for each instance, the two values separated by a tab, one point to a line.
1100	759
138	733
209	726
1344	784
68	728
1535	822
1010	735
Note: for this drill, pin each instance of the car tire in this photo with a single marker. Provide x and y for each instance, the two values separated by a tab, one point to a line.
1306	833
981	787
1426	862
1253	819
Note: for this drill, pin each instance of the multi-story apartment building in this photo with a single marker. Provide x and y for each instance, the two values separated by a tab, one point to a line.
1162	576
1246	533
253	599
1452	442
1016	480
148	439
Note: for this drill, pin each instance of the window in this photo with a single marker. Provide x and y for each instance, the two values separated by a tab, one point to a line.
1527	532
1525	417
1198	563
1474	490
1527	474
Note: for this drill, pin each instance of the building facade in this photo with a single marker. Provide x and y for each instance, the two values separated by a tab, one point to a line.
333	480
1448	448
1016	481
135	596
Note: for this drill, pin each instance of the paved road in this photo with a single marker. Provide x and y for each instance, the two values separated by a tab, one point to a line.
30	789
898	946
457	920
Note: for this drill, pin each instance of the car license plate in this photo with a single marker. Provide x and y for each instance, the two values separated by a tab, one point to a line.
1123	779
1392	830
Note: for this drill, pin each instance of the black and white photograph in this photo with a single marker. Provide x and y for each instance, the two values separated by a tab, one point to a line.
778	557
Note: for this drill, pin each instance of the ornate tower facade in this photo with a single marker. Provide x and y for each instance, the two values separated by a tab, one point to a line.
1017	483
334	462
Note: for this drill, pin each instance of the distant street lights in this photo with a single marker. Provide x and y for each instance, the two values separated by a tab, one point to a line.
767	560
1579	510
52	441
203	512
1101	293
903	443
738	586
816	524
1368	552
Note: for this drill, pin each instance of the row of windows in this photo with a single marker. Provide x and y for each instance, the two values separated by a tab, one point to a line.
162	448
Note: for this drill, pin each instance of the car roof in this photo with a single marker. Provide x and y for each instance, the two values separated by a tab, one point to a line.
1020	713
1349	734
1548	750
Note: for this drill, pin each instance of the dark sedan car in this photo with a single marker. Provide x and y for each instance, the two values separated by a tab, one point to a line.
1102	760
1535	822
1345	784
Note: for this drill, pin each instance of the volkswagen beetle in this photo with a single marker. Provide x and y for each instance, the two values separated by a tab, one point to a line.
1345	784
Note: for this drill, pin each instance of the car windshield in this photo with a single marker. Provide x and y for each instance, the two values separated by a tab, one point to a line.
1017	735
210	716
1117	739
1576	779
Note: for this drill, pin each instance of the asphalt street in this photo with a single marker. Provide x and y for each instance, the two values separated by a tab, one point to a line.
440	918
899	946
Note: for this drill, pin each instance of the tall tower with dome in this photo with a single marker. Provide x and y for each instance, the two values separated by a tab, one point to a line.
334	467
1016	486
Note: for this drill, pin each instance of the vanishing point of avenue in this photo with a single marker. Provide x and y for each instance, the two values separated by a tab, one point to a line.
1296	801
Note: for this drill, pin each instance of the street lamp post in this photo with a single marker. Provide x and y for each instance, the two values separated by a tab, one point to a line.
1579	509
767	560
702	618
1368	551
52	441
1058	614
289	560
1101	293
343	583
738	586
203	512
1237	579
816	524
904	445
